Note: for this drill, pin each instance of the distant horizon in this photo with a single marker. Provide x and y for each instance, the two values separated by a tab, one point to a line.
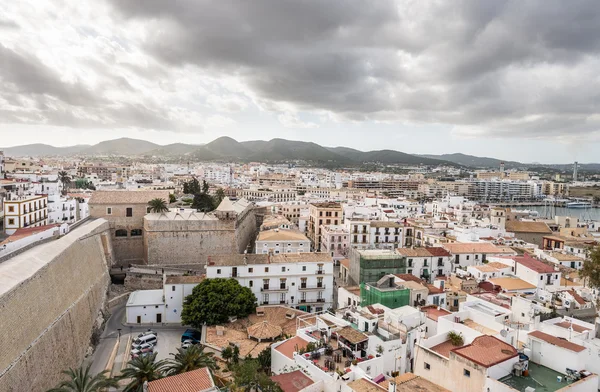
199	144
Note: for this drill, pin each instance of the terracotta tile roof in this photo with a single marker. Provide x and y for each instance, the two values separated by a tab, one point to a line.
26	232
487	351
409	278
289	346
576	327
433	290
497	265
127	197
433	313
281	235
472	247
345	263
577	297
413	252
352	335
534	265
194	381
527	227
556	341
438	251
353	289
409	382
263	330
293	381
443	348
364	385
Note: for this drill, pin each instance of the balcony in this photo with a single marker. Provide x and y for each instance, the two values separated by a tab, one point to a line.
304	287
320	272
274	303
312	301
273	289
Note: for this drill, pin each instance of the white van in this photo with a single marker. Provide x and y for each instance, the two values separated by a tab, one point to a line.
149	339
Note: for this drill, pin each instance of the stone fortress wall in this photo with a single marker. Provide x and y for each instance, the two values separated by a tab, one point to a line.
51	299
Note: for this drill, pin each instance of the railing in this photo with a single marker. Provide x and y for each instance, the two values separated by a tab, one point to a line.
273	289
274	302
320	272
311	287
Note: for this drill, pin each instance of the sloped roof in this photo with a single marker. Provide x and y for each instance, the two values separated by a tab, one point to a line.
292	382
288	347
527	227
472	247
556	341
512	284
487	351
264	330
352	335
194	381
226	205
534	265
27	232
127	197
281	235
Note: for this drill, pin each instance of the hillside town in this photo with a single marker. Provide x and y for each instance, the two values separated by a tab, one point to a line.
295	277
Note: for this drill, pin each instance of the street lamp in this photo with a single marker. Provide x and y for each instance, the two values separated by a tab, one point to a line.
119	331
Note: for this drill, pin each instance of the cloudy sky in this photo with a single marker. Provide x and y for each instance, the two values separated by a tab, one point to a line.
515	80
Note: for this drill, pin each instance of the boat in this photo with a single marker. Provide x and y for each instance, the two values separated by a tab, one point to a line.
579	204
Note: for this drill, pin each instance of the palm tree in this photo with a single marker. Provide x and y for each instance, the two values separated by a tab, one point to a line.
64	178
192	358
158	205
140	370
80	380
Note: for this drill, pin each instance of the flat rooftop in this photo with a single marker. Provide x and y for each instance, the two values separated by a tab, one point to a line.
540	377
146	297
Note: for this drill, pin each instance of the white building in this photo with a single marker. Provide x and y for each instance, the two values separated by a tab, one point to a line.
300	280
532	271
25	211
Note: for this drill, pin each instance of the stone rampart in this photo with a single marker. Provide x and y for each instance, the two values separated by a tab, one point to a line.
51	301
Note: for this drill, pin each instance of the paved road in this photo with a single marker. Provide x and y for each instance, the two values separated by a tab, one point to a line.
108	339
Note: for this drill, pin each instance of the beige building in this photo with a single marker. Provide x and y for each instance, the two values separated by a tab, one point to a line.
25	211
125	211
278	241
187	238
328	213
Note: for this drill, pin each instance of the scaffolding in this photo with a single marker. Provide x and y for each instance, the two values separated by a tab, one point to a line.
392	298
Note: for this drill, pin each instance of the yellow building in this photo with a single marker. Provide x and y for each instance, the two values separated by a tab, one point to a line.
25	211
327	213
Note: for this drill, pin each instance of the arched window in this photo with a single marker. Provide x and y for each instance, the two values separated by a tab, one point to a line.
121	233
136	232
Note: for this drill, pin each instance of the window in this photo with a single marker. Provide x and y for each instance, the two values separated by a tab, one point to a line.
466	373
129	211
541	278
11	209
409	271
301	245
218	271
250	269
136	232
303	268
289	244
427	366
11	221
108	210
282	269
266	269
410	262
172	288
468	257
121	233
251	283
276	244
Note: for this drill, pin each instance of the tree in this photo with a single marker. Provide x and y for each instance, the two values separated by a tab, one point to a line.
172	198
191	187
227	353
158	205
264	360
219	196
235	355
80	380
140	370
203	202
192	358
205	187
591	268
213	301
248	377
65	180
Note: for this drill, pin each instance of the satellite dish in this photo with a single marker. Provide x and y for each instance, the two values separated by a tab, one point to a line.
503	333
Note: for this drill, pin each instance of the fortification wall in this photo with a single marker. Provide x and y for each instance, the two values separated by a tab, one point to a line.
51	298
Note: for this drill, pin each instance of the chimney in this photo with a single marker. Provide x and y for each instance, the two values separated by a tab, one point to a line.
392	386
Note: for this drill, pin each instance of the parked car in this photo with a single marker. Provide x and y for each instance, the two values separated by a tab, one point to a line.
142	350
151	339
133	356
148	332
143	346
191	334
187	344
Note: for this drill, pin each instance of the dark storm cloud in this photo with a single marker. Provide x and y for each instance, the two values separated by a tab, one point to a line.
507	67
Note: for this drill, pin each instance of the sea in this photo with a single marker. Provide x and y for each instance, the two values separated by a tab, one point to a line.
581	213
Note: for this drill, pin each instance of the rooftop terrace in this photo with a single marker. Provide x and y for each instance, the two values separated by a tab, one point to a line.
540	377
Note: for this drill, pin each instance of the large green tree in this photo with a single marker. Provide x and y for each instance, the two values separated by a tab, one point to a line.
142	369
65	180
248	377
192	358
81	380
213	301
219	196
591	268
